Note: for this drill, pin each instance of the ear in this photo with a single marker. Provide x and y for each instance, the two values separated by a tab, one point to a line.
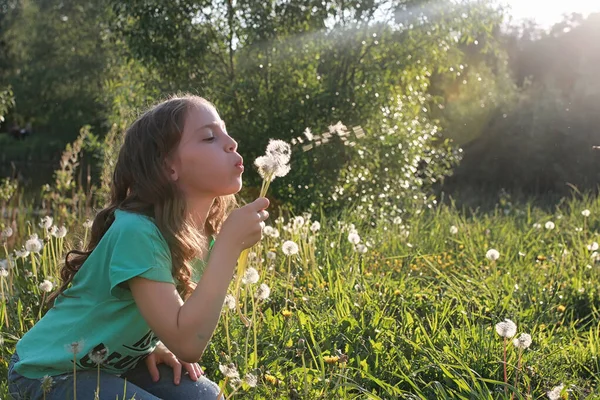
171	169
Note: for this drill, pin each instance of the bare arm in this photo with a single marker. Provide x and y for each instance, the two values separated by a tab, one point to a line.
186	327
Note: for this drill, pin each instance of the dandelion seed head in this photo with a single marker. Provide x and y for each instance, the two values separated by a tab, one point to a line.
46	286
88	224
3	272
229	301
60	232
75	347
523	341
492	255
33	244
46	222
21	253
263	292
361	248
99	356
506	328
251	380
289	248
453	230
229	370
6	232
586	213
279	149
353	238
316	226
549	225
593	247
47	383
271	255
555	393
250	276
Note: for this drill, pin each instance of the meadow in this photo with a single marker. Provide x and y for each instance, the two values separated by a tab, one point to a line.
353	307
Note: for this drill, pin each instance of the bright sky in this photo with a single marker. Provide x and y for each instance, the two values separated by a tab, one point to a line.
548	12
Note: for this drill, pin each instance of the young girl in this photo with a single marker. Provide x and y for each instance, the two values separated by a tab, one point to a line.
132	307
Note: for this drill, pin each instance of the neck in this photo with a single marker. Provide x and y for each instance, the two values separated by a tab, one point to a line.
198	208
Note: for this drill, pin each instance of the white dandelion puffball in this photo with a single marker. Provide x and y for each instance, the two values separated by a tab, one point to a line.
250	276
263	292
523	341
229	370
289	248
492	255
3	272
229	301
593	247
6	232
453	230
554	394
316	226
75	347
46	286
46	222
586	213
88	223
397	220
21	253
34	245
353	238
361	248
251	380
53	230
279	149
60	232
506	328
550	225
270	231
99	356
270	167
537	225
298	222
271	255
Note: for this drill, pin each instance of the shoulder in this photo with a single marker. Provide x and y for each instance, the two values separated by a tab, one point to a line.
134	226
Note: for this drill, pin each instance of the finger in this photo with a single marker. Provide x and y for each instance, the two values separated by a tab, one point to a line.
151	364
263	215
176	365
200	370
190	370
260	204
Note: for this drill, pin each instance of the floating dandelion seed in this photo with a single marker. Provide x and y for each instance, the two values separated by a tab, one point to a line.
229	302
46	286
263	292
289	248
251	380
309	136
523	341
34	244
492	255
229	370
550	225
46	222
506	328
250	276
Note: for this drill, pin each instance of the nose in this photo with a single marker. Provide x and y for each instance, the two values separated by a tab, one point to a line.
231	145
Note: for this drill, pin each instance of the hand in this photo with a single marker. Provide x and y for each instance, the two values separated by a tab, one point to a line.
162	355
243	227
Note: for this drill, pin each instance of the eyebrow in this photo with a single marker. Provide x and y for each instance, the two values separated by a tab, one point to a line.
212	124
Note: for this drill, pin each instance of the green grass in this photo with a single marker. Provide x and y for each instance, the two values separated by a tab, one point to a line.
411	318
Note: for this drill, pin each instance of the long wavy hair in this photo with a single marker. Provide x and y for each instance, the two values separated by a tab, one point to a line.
141	184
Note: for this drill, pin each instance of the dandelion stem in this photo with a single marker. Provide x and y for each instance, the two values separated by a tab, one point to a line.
222	391
505	375
41	305
227	332
255	331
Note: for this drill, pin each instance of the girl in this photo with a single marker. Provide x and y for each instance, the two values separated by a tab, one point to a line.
131	296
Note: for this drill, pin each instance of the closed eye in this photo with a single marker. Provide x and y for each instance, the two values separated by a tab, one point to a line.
210	139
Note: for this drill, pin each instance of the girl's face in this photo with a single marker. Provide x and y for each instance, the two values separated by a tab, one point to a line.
206	162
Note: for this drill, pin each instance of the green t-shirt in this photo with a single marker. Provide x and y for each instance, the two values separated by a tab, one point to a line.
97	310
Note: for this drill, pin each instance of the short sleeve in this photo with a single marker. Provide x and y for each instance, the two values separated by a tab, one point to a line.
139	249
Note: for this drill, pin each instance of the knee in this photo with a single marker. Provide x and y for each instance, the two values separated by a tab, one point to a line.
202	389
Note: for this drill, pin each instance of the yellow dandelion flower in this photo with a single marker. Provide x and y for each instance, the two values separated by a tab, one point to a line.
271	379
561	308
368	274
397	292
286	313
331	359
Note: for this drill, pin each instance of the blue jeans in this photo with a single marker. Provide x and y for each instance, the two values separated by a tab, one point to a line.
136	382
